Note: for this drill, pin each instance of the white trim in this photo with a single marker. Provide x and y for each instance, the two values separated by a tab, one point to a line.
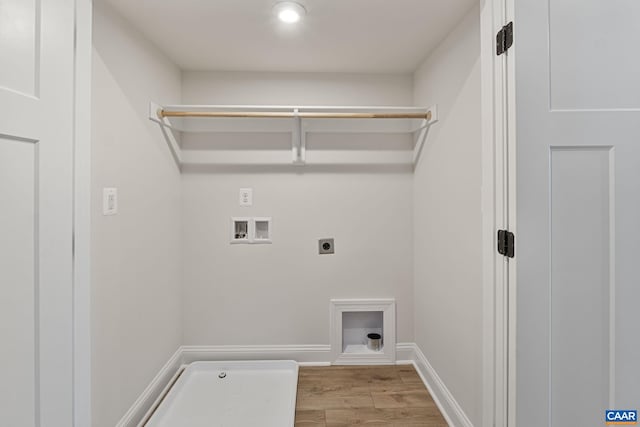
388	308
510	278
305	355
301	353
487	60
449	407
142	404
161	395
612	280
314	363
498	165
82	215
405	353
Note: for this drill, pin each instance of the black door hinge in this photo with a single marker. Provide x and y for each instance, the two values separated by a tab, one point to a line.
504	39
506	243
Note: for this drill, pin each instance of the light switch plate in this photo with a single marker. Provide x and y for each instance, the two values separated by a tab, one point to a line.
109	201
246	196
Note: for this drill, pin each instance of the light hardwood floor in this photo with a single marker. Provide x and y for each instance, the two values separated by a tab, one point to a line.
339	396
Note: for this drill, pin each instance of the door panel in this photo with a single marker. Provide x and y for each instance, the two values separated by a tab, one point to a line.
577	207
19	44
581	208
18	315
36	219
590	47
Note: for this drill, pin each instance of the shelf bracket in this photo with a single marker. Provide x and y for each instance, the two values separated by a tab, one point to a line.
298	140
423	132
167	131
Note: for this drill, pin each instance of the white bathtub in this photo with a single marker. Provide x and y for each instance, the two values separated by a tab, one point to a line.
240	393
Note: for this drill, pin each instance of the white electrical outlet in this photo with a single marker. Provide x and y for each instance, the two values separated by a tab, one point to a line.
109	201
246	196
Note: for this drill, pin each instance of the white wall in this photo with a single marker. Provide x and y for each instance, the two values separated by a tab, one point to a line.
136	275
279	293
447	243
296	88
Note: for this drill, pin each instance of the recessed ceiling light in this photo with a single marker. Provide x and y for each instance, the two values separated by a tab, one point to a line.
289	12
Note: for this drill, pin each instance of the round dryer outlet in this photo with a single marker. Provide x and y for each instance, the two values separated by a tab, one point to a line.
325	246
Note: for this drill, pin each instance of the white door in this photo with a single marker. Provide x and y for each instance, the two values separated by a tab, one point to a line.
578	210
36	196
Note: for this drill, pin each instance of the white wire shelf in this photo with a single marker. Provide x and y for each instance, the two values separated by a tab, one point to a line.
295	120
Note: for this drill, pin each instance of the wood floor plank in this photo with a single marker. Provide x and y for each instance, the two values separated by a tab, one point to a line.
313	418
408	375
335	397
384	388
402	399
369	416
364	395
356	375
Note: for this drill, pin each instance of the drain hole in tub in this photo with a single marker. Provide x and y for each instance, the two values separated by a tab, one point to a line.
222	375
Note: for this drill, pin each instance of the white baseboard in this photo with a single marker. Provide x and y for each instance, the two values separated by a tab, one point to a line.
305	355
449	407
405	353
314	363
140	407
299	353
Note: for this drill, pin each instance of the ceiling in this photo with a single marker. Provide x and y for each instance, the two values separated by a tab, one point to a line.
372	36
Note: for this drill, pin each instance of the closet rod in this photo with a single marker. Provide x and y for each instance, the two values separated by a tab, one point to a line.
288	115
